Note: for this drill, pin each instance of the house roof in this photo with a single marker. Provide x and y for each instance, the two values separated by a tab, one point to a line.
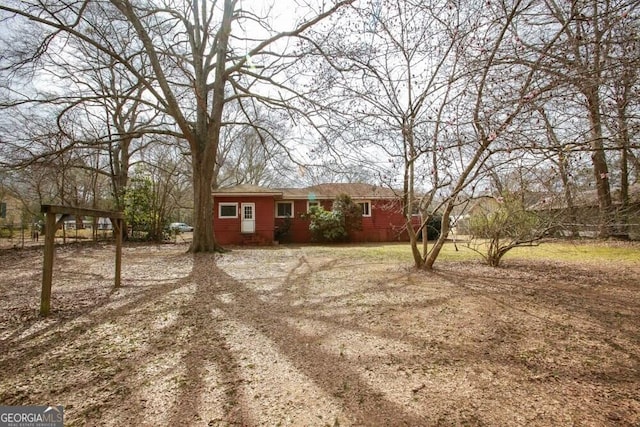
320	191
583	199
247	190
355	190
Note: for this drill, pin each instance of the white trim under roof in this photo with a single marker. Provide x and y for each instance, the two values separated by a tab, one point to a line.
246	193
305	194
313	193
246	190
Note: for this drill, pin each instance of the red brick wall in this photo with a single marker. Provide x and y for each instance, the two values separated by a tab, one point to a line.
227	230
386	224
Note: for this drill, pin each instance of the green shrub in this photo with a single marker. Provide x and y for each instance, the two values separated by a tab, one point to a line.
335	225
326	226
351	213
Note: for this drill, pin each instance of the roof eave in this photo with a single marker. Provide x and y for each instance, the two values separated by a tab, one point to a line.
246	194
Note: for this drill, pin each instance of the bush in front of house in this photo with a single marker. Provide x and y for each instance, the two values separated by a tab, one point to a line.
433	226
326	226
351	213
337	224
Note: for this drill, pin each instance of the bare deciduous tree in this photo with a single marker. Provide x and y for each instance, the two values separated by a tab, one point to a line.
434	94
194	59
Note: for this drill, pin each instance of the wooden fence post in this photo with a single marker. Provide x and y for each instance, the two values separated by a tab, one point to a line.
50	212
47	265
117	227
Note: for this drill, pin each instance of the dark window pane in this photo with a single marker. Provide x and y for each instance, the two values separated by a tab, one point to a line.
285	209
228	211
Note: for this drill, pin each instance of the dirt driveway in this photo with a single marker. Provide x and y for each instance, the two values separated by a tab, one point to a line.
306	336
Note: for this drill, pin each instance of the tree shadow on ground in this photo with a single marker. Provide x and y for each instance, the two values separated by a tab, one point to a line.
361	402
196	340
69	350
579	307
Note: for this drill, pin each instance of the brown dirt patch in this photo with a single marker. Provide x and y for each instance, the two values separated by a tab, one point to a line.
294	336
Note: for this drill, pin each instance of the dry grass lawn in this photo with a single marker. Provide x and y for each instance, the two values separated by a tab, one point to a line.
315	336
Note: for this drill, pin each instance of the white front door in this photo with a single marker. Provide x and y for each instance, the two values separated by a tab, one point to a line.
248	212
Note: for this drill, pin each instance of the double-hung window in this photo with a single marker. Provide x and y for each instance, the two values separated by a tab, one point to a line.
227	210
284	209
366	208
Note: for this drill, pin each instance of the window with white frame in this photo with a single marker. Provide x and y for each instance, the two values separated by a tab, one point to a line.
284	209
227	210
366	208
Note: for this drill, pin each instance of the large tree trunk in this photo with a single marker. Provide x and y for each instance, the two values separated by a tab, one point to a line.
207	136
599	161
203	237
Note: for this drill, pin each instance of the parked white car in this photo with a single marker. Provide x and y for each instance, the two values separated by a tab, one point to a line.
180	226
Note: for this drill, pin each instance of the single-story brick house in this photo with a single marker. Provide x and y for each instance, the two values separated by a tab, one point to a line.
248	214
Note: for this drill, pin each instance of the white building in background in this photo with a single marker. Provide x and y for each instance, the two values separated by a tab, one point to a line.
87	223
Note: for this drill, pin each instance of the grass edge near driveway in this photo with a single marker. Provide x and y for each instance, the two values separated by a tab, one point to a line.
556	250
